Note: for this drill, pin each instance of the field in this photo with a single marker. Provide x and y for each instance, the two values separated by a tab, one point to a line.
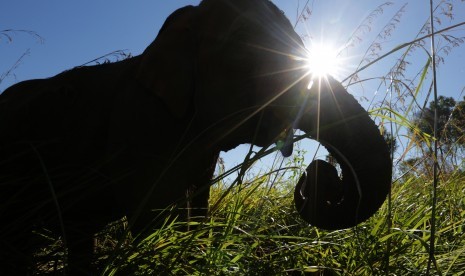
255	230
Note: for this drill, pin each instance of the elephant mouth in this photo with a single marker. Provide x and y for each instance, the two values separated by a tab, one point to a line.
285	143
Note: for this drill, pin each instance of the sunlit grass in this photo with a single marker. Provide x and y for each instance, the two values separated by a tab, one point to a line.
256	231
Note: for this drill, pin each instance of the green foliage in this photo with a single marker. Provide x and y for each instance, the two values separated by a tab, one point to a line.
255	230
450	136
450	120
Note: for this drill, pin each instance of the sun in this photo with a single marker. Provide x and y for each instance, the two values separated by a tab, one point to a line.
323	59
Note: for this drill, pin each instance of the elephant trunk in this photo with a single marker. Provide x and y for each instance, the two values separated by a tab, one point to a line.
323	197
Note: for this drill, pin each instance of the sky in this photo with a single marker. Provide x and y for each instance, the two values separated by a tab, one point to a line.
73	33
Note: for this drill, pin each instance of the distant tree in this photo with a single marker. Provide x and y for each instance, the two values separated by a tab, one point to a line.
425	119
450	129
391	141
458	123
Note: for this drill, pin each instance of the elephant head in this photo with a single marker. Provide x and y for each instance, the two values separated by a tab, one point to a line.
245	80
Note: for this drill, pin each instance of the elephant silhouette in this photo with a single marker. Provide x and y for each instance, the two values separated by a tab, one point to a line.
142	135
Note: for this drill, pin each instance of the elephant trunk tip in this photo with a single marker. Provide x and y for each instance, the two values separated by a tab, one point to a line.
328	202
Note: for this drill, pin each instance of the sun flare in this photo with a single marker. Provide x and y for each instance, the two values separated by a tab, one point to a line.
323	60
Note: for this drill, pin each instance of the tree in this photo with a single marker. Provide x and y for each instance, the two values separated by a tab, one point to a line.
458	123
391	141
450	129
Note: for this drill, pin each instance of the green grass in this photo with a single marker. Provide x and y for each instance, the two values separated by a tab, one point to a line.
255	230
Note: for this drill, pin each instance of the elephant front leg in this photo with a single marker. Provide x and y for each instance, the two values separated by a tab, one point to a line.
16	253
197	196
80	252
197	203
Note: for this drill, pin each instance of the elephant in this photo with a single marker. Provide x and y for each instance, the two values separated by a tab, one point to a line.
140	137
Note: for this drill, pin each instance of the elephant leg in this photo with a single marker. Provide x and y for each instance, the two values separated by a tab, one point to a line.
80	252
17	241
16	256
197	204
197	196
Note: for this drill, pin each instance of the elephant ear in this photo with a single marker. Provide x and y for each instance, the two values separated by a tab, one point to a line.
167	65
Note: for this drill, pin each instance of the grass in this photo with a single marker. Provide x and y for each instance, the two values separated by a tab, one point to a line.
255	230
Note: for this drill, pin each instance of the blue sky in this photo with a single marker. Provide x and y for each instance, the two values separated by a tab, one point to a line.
75	32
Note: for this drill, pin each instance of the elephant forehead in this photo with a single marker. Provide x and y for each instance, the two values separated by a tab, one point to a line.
271	32
261	19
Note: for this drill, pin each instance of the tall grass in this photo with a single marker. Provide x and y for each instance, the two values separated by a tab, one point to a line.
257	231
